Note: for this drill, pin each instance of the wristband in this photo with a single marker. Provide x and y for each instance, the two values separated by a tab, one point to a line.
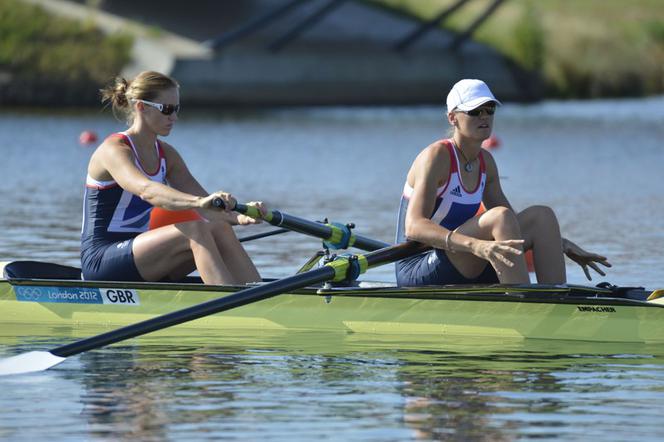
447	241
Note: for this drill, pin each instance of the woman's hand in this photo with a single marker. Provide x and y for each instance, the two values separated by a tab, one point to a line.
244	220
584	259
207	202
498	252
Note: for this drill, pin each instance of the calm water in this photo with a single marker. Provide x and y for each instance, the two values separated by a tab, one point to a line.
597	163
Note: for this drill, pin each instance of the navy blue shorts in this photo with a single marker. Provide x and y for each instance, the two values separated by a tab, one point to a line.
110	262
434	268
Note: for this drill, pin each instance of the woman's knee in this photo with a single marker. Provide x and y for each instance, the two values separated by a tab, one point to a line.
537	216
199	231
502	223
502	217
222	227
217	233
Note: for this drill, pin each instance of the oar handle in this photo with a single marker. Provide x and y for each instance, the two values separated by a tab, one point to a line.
240	208
273	218
218	203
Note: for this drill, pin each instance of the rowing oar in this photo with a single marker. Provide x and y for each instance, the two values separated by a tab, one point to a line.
344	267
335	235
263	235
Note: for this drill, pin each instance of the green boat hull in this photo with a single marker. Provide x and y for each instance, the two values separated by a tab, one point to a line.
540	312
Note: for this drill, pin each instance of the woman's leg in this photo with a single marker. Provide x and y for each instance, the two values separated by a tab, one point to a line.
498	224
541	233
169	251
233	254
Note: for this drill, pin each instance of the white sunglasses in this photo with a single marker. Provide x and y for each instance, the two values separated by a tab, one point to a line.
166	109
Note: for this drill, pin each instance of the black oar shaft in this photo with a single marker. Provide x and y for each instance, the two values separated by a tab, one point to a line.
262	235
395	253
307	227
218	305
238	299
320	230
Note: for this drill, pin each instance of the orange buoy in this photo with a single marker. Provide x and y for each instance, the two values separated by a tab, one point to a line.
161	217
493	142
87	137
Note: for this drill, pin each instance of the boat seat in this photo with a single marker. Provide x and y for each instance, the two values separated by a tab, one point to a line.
40	270
48	270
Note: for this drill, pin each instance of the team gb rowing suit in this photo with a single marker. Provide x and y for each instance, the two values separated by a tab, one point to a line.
454	206
112	218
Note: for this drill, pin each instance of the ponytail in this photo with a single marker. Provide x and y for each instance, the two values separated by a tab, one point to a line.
145	86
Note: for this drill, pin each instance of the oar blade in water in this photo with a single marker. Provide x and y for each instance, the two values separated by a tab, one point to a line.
29	362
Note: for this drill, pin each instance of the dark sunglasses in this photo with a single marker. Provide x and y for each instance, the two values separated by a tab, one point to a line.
166	109
490	110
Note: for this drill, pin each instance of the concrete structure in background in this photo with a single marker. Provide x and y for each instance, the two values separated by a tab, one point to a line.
294	52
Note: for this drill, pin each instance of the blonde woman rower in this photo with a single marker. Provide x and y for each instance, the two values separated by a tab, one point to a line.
133	171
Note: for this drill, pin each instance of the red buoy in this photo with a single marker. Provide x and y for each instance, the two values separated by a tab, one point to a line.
87	137
493	142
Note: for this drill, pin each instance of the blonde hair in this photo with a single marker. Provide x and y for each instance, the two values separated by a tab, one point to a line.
145	86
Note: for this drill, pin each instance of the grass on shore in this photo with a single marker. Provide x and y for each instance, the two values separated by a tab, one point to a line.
36	47
583	48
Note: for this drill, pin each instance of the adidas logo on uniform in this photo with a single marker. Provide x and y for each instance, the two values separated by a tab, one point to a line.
456	191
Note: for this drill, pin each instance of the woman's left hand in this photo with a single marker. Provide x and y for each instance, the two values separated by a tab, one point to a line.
584	259
244	220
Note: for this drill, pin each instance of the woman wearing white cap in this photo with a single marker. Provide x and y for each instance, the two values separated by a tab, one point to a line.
442	194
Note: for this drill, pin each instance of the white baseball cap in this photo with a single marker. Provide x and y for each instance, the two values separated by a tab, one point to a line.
468	94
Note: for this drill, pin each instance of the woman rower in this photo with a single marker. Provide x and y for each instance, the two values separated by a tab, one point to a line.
445	186
133	171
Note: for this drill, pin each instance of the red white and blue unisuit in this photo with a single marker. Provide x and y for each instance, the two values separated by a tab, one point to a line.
112	218
455	204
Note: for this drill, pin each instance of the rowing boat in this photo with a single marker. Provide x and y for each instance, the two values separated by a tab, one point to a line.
48	294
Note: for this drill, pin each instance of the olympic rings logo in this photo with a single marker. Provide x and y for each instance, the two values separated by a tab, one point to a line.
30	293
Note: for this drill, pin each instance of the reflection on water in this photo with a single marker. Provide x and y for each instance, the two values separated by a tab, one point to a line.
597	163
347	387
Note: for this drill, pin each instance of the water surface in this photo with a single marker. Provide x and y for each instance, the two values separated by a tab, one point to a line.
295	386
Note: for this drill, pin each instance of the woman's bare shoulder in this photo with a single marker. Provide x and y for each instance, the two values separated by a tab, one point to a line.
113	150
113	146
432	163
435	153
114	142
